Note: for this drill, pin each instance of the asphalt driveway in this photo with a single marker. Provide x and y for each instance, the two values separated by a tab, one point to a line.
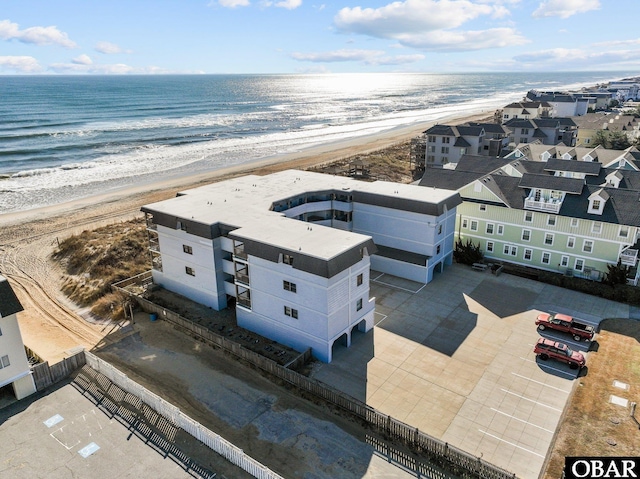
455	359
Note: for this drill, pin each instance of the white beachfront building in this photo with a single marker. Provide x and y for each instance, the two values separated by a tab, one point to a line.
14	365
293	250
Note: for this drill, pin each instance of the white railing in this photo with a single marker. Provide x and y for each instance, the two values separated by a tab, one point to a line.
552	206
629	257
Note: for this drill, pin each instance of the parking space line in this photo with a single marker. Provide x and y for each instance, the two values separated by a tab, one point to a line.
511	444
384	316
566	373
522	420
541	383
531	400
377	280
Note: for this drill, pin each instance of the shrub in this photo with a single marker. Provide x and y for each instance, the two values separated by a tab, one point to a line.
467	253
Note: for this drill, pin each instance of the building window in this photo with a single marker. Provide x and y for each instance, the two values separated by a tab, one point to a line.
489	246
587	246
287	259
579	264
500	229
490	228
293	313
432	148
432	139
182	226
190	271
528	216
510	250
187	249
526	235
597	227
444	150
439	229
445	160
548	239
574	222
474	225
4	362
546	257
571	242
445	139
524	140
290	286
359	305
524	131
438	249
527	254
564	262
595	205
359	280
483	207
551	220
465	223
624	232
0	331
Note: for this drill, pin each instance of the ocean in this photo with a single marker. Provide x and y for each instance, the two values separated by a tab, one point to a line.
67	137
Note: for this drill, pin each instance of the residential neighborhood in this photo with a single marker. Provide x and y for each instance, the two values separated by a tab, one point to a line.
356	276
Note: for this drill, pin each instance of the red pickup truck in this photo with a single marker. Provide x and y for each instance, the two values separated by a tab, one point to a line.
547	348
564	323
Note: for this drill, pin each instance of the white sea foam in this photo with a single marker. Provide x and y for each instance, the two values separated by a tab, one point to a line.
132	150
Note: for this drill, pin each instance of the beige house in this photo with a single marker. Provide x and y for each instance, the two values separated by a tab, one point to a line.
591	123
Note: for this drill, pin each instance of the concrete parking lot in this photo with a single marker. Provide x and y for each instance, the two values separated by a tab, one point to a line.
455	359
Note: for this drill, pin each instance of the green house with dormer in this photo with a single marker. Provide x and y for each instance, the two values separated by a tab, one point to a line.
570	216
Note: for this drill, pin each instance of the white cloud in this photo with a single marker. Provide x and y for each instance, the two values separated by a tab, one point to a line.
566	59
109	48
36	35
21	64
289	4
233	3
338	56
408	16
565	8
614	43
82	60
369	57
463	40
430	24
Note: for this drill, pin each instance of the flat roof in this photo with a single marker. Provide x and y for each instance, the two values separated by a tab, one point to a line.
244	205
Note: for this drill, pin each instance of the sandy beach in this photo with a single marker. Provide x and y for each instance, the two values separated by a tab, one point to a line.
50	325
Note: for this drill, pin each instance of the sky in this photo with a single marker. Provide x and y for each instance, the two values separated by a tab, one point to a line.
311	36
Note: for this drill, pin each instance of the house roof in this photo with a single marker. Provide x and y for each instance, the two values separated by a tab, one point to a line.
629	179
461	142
620	208
549	182
586	167
448	179
506	188
480	164
9	303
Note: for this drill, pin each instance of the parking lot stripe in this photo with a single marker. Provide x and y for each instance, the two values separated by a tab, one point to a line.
541	383
531	400
522	420
511	444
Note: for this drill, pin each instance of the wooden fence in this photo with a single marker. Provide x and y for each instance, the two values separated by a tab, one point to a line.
456	459
45	375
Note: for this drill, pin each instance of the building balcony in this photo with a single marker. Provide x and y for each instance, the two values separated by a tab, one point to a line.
242	278
550	206
629	257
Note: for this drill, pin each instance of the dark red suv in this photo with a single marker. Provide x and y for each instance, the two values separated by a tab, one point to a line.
546	348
